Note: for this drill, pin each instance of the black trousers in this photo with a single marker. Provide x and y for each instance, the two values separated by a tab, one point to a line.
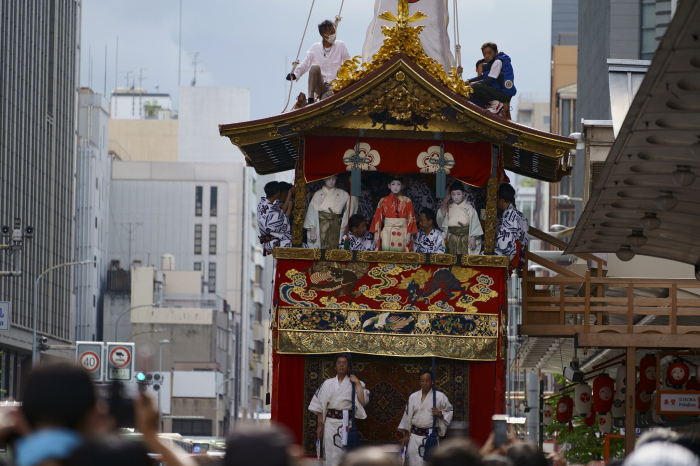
484	94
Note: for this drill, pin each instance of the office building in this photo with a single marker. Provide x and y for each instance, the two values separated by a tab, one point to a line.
39	57
92	220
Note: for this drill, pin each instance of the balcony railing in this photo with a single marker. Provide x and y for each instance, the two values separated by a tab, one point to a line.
605	311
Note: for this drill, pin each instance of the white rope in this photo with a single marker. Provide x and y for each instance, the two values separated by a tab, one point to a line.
458	48
295	63
338	17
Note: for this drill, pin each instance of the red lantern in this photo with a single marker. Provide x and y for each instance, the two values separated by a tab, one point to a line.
678	373
603	393
647	373
693	385
565	408
590	419
642	400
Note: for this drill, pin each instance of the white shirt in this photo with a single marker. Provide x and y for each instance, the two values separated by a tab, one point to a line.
496	67
329	62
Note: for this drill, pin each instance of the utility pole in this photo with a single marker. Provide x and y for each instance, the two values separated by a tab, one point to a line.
132	227
141	78
179	59
194	62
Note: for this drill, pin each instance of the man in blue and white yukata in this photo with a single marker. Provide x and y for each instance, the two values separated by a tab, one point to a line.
273	222
512	232
360	239
428	239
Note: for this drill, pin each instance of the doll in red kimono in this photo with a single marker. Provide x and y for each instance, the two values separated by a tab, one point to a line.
399	220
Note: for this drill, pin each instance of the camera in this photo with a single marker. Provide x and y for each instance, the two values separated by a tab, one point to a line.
573	373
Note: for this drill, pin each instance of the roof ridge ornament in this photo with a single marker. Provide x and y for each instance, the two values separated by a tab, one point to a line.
400	38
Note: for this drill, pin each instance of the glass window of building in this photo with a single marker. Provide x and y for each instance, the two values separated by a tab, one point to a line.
648	33
212	239
213	194
198	201
198	239
212	277
198	266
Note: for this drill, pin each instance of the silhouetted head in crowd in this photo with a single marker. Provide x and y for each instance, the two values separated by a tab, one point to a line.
526	454
657	435
249	445
284	190
456	452
660	453
370	456
59	395
111	451
506	196
691	442
496	460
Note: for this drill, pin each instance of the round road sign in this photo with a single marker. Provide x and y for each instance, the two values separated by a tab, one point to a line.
90	361
119	357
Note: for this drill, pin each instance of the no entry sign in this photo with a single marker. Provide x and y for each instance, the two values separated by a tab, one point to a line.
89	355
120	361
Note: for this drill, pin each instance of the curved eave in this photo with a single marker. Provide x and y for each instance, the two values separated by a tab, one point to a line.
270	144
655	138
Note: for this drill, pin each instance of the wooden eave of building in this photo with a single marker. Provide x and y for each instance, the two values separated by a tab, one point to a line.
271	145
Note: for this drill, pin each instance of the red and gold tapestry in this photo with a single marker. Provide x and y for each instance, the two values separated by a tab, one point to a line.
469	162
390	309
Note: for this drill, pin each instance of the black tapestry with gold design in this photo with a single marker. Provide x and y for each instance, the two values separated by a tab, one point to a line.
390	382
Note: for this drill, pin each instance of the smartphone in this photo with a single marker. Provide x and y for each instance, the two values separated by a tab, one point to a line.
499	427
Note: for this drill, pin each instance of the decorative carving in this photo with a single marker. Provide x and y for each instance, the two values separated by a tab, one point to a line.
299	201
400	76
480	127
395	257
297	253
338	255
399	39
550	148
491	215
485	261
317	121
400	107
443	259
375	93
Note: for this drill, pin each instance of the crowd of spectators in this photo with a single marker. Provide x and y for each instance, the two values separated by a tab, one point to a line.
62	422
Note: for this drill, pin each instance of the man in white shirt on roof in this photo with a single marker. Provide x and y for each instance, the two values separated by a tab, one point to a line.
323	60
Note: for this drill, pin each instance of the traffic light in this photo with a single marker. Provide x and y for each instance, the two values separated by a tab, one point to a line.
154	379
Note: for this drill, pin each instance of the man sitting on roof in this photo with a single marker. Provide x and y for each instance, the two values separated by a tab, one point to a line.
323	60
512	231
273	224
494	87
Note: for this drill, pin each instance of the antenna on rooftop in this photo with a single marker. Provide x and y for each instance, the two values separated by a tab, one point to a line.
194	63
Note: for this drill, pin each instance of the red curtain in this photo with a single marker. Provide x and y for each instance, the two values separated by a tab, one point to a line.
288	392
325	156
482	402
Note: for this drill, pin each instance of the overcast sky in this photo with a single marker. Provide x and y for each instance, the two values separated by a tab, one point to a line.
252	43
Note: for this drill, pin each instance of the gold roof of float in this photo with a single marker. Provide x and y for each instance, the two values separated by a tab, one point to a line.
402	94
400	39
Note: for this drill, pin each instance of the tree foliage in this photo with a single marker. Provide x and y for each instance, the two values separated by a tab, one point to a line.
584	443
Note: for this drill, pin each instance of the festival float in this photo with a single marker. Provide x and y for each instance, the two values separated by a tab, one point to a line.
400	115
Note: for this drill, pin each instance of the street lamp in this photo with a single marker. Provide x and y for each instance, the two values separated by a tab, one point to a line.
35	351
158	330
116	327
216	416
160	371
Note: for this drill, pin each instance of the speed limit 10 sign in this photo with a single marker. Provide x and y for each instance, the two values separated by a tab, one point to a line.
89	356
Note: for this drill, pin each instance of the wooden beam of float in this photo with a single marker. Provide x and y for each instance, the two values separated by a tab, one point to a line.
491	220
636	340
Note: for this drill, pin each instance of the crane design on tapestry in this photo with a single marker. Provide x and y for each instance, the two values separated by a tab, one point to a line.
385	321
403	18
